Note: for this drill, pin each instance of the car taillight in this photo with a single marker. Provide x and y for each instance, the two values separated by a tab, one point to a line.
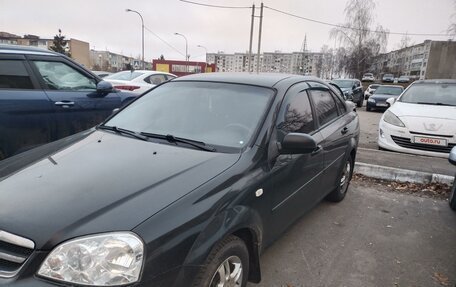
127	87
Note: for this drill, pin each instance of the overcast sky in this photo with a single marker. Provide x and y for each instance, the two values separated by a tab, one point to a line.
106	25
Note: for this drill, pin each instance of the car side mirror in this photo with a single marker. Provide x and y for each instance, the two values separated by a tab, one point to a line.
114	111
104	87
298	143
391	101
452	157
354	87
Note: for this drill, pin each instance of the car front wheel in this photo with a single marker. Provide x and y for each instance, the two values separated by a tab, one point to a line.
226	266
338	194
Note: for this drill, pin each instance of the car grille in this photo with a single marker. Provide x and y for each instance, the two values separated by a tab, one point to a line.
14	251
406	143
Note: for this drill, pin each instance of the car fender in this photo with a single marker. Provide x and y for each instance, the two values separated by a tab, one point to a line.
241	221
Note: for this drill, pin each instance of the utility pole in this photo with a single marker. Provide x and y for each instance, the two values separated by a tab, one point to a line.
259	38
251	38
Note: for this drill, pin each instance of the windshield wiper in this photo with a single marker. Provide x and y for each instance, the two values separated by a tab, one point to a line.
173	139
435	104
123	131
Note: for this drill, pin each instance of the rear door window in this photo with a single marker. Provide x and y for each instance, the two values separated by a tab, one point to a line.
325	106
296	114
156	79
14	75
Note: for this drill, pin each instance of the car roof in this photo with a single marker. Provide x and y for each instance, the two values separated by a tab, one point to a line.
148	72
17	49
260	79
436	81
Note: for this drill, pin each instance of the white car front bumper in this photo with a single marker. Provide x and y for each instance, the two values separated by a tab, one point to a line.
399	139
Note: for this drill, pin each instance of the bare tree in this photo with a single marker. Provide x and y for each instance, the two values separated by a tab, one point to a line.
452	27
361	41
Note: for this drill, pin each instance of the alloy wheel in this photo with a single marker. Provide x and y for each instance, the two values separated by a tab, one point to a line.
228	274
345	178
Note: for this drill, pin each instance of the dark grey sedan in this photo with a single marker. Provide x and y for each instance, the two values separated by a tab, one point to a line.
185	186
378	100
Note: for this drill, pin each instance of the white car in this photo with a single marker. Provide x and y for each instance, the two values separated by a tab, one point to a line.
138	81
370	90
368	77
422	120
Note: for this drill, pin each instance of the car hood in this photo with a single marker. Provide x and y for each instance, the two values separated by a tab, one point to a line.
103	182
383	97
439	120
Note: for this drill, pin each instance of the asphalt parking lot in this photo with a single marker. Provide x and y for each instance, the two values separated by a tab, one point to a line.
369	127
372	238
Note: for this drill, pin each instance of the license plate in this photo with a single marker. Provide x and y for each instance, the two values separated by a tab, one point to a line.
431	141
382	105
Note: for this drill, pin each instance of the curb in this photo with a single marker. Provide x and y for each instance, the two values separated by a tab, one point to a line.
401	175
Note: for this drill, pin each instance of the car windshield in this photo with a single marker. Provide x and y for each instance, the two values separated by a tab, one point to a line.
368	75
388	75
386	90
373	87
124	76
344	83
432	94
217	114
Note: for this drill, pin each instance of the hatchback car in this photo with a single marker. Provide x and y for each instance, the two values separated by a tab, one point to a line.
185	186
403	79
378	100
422	120
352	89
138	81
388	78
45	96
368	77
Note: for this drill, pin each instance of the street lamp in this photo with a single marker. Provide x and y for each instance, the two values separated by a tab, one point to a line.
186	49
205	61
142	21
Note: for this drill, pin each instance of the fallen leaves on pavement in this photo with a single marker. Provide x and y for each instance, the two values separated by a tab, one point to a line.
441	279
435	190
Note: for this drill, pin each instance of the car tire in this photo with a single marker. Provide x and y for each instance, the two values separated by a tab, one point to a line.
343	181
452	200
359	104
229	254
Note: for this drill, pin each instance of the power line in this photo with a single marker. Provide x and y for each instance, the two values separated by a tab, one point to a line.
168	44
313	20
216	6
348	27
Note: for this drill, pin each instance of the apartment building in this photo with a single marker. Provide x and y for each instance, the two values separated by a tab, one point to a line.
275	62
427	60
78	49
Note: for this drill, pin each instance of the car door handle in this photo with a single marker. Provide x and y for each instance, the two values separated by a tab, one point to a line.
317	150
344	130
64	104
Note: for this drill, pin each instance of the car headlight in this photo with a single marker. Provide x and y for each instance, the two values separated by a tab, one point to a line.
103	260
370	100
391	118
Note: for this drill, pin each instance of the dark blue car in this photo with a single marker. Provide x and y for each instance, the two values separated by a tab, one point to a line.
45	96
378	100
